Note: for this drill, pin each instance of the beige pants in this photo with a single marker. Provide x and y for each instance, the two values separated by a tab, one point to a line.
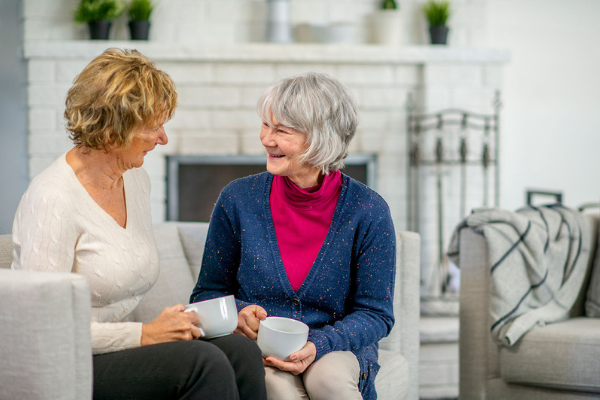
334	376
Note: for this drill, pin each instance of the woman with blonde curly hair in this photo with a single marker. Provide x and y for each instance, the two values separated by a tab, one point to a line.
89	213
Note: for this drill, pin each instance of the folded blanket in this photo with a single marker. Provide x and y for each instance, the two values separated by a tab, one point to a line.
537	257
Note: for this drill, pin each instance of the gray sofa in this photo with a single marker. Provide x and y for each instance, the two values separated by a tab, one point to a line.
558	361
44	319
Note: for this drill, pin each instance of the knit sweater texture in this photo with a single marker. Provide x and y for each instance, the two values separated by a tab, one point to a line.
59	227
347	297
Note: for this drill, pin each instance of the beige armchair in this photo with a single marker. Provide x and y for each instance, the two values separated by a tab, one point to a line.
556	362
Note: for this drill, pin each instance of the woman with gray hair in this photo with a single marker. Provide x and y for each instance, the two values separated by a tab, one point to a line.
305	241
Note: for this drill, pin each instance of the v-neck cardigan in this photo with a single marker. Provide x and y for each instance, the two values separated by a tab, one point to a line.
347	297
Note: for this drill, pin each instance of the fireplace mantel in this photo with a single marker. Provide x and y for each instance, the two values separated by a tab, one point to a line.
264	52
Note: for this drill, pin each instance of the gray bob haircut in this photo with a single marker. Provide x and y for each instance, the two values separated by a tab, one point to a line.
321	107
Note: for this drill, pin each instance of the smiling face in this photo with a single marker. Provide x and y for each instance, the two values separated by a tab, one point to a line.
284	147
144	141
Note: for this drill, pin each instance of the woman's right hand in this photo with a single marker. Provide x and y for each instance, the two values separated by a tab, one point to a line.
249	320
171	325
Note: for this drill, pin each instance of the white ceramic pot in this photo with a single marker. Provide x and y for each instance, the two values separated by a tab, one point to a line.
386	27
279	26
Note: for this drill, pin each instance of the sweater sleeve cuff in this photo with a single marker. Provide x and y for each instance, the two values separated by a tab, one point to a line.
319	338
115	336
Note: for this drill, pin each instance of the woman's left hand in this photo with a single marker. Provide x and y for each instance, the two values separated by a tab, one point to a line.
299	360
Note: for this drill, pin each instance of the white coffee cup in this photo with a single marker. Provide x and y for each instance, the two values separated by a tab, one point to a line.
218	316
280	337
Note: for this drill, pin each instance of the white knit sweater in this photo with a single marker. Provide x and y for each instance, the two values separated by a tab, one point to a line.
59	227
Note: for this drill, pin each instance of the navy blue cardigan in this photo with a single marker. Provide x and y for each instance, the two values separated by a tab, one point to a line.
347	297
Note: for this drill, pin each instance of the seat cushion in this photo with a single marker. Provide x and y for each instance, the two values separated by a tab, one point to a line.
562	355
392	379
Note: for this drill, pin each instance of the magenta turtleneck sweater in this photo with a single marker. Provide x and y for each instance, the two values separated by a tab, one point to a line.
302	218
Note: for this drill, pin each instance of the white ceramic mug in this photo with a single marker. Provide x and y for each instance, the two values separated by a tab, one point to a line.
218	316
280	337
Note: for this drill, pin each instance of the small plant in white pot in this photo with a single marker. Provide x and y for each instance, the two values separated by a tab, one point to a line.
98	14
437	14
386	23
139	12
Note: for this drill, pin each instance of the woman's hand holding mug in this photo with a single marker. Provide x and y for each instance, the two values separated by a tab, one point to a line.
171	325
299	360
249	321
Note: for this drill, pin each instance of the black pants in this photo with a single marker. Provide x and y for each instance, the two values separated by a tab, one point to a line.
224	368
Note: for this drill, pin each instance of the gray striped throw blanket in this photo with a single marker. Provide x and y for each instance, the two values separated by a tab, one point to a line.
538	258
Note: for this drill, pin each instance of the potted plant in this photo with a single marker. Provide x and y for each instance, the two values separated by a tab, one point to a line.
437	14
139	12
389	5
99	15
386	25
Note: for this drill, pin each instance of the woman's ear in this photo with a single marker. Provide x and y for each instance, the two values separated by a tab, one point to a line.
110	139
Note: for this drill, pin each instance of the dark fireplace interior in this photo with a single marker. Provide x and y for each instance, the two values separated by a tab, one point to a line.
195	182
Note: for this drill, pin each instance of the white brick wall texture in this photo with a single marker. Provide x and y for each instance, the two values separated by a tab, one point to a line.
41	71
438	370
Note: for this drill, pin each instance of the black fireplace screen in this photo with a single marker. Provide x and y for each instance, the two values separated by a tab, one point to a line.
195	182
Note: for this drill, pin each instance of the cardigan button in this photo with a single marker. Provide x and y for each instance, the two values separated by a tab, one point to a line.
296	301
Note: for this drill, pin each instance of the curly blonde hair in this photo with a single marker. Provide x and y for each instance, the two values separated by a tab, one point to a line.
117	93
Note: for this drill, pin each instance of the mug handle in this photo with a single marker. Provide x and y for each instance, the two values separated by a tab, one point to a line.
202	334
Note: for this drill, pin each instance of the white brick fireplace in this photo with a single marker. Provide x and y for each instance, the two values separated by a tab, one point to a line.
218	87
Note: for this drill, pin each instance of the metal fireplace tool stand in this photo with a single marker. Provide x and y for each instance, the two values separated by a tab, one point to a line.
419	125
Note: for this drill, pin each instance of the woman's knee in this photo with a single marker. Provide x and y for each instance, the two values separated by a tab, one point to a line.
201	355
239	348
283	385
334	376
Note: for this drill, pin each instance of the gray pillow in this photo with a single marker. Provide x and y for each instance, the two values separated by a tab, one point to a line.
175	282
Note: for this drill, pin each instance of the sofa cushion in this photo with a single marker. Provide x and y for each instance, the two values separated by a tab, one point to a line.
561	355
193	238
175	282
592	302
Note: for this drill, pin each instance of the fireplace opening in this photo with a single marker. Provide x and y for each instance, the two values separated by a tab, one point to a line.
195	182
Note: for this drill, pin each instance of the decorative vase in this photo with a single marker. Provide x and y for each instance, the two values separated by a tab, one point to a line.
279	27
139	30
386	27
99	30
438	34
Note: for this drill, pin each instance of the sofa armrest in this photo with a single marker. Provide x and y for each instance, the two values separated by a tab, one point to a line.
478	354
409	290
404	338
45	352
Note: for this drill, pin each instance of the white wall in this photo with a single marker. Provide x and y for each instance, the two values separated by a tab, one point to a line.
551	116
13	116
